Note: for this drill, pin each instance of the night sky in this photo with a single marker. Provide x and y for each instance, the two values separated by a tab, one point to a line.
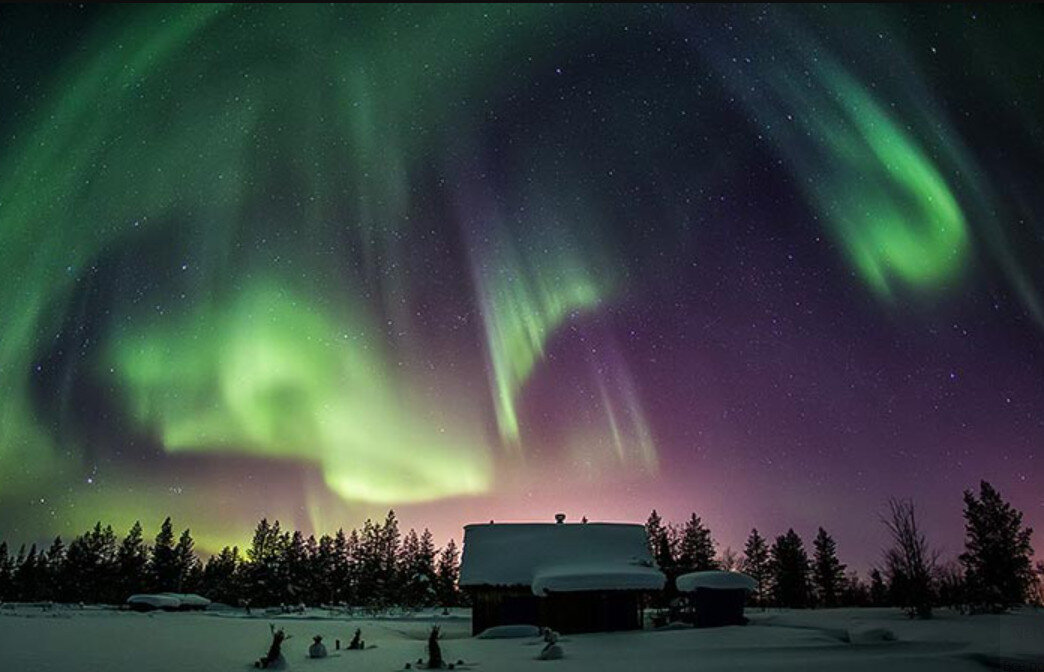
770	264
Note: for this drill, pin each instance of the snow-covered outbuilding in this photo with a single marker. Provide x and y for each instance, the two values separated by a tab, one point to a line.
572	577
168	602
716	598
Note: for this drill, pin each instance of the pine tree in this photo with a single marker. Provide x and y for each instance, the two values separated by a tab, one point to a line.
27	576
186	564
366	564
163	565
90	566
220	578
323	562
661	544
6	574
295	568
389	580
828	574
54	563
262	576
408	569
756	563
341	571
132	561
997	557
447	573
789	569
696	548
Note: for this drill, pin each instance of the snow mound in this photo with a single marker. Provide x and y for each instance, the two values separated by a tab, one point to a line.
168	601
715	580
149	602
509	632
870	635
189	600
675	625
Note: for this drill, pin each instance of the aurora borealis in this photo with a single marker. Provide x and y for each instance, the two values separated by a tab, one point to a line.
772	264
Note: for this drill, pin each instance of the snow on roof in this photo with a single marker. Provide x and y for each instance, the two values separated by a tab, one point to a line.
715	580
155	601
571	578
188	599
559	557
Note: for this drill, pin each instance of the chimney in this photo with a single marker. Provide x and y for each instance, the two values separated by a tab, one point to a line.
559	518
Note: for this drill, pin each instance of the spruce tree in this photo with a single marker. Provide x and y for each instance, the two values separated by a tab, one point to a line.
341	568
295	568
447	573
6	574
998	556
132	561
661	544
323	584
220	578
828	574
696	547
27	576
756	563
186	563
90	567
369	580
408	569
789	569
262	574
163	564
54	561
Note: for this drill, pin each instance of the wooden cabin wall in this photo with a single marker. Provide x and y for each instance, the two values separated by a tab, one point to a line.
591	611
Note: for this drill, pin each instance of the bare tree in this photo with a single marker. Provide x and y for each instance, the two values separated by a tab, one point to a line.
909	562
729	561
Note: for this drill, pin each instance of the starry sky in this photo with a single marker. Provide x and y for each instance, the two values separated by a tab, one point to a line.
770	264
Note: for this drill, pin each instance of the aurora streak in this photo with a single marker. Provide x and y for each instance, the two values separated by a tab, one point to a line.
314	261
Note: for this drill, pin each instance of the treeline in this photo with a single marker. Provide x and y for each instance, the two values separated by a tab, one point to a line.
374	567
993	574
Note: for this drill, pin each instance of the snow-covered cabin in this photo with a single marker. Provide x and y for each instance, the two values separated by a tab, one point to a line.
572	577
716	598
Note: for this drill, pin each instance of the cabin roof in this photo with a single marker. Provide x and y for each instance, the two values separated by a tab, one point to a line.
559	557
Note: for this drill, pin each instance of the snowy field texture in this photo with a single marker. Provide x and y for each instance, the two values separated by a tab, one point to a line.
33	639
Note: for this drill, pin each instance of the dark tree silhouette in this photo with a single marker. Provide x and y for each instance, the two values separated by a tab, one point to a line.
909	562
163	565
221	578
828	574
789	571
998	555
6	573
132	559
661	543
447	572
878	589
696	547
756	563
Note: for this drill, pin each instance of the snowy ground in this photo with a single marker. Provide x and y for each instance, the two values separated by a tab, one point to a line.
35	640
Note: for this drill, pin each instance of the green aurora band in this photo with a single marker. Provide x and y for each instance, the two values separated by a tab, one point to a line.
177	122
